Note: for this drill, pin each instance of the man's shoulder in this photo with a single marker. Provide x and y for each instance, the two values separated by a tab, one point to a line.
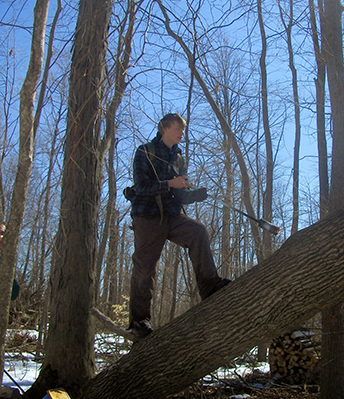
148	149
149	145
142	149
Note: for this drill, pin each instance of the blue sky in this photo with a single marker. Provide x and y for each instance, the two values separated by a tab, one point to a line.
278	74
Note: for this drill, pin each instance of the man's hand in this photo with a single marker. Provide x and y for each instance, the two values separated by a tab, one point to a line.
178	182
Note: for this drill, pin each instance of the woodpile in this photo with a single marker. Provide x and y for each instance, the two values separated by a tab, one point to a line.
294	357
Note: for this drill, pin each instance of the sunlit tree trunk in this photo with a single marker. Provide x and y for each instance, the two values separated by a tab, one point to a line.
174	284
69	360
110	234
24	168
267	198
50	52
296	160
163	293
122	59
43	291
320	108
112	260
226	250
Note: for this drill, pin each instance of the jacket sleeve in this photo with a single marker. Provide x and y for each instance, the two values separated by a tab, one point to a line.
146	178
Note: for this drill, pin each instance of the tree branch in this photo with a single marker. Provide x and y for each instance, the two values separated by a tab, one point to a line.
108	323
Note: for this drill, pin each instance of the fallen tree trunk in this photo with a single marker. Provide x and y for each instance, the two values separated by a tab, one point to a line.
303	277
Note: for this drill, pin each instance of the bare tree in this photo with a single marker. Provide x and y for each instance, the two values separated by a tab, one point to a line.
320	107
69	359
110	233
118	77
7	97
43	305
267	200
47	66
296	162
20	189
332	383
226	128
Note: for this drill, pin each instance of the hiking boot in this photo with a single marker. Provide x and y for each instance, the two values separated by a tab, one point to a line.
141	328
218	286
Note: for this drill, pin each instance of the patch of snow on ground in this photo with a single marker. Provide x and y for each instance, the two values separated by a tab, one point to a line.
23	371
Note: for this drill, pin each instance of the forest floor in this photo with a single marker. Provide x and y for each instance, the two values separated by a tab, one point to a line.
244	378
256	385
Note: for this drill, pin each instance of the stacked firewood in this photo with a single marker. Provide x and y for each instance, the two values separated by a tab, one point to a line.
294	356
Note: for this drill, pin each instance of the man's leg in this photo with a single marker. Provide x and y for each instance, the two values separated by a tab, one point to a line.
149	241
193	235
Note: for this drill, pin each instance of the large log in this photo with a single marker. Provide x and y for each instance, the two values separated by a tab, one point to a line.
303	277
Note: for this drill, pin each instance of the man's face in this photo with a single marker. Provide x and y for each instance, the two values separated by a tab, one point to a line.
173	134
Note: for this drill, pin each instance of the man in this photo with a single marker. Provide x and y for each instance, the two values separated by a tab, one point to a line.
160	184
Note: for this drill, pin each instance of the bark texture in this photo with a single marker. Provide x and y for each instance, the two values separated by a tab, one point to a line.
303	277
332	350
26	141
69	360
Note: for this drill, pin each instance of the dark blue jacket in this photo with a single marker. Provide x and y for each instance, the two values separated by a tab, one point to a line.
151	176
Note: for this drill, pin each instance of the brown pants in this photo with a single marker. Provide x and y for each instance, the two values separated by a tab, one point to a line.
150	238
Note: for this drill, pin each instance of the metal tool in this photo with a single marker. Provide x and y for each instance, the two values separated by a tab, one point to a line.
264	224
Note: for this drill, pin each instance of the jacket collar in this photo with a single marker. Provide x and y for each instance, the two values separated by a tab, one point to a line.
158	139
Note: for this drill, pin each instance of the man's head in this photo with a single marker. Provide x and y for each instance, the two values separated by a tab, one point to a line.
171	127
167	121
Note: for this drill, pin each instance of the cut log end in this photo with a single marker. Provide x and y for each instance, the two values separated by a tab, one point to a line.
294	358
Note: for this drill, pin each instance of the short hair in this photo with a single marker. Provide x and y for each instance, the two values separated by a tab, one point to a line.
168	119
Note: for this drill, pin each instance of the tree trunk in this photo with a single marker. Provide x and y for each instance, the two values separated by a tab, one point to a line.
332	382
44	301
109	284
113	258
333	46
110	227
21	184
50	52
296	161
332	353
300	279
320	109
267	199
331	318
122	287
174	284
120	84
69	360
